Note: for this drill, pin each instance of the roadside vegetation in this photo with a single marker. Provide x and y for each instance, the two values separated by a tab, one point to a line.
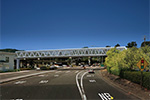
14	70
124	64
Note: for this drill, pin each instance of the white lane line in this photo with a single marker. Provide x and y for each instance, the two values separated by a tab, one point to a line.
13	78
84	96
81	89
92	81
58	72
43	81
20	82
41	75
76	71
56	75
78	84
67	71
89	75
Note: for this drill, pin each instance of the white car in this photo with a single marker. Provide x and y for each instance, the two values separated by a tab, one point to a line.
64	65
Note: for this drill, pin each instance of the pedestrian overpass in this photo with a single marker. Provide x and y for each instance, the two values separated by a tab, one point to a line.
80	52
65	52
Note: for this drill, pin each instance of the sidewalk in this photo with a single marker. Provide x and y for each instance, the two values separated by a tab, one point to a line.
6	73
10	76
127	86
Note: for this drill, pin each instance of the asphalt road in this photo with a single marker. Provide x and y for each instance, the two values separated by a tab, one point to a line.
62	84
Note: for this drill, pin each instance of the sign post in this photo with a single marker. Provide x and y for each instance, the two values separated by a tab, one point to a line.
142	64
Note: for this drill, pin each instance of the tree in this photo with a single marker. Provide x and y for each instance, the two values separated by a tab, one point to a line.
108	46
117	45
10	50
85	47
131	44
146	43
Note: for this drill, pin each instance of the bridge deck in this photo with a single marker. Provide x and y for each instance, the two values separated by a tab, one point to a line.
65	52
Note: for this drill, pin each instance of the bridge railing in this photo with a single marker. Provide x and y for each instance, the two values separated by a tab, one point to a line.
65	52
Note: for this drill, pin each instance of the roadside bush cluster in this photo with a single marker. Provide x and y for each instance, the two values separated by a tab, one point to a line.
124	63
126	59
25	68
135	77
14	70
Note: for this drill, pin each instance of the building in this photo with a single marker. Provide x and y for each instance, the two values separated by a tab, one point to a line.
7	61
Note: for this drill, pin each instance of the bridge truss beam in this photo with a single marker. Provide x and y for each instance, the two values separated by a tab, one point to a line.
89	52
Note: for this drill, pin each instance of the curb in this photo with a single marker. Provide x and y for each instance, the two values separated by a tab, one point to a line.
20	77
116	86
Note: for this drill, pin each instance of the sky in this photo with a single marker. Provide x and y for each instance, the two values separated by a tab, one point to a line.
60	24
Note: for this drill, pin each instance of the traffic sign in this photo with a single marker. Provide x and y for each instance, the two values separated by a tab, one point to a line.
142	64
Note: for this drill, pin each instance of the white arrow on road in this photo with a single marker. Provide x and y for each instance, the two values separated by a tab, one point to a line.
43	81
20	82
92	81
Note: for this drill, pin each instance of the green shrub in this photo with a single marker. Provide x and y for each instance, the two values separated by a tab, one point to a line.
25	68
135	76
108	69
146	80
16	70
115	71
13	70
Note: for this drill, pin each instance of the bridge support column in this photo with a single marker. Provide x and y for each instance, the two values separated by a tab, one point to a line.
21	64
102	60
70	59
17	63
89	60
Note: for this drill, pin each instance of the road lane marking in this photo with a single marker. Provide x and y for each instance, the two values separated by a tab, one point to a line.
41	75
92	81
78	84
76	71
43	81
58	72
20	82
81	89
67	71
23	76
105	96
56	75
89	75
84	96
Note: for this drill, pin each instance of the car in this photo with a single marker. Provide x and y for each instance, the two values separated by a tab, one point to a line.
64	65
44	68
91	71
53	67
